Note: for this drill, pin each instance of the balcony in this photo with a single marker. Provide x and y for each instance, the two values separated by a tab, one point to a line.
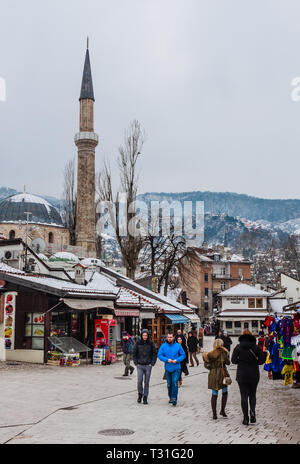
221	276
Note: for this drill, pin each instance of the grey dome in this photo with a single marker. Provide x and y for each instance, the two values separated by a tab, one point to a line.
12	209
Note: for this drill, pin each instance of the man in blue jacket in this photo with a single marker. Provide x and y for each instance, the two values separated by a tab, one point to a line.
171	353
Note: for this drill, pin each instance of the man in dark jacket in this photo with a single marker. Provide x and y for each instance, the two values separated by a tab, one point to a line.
127	344
144	357
248	356
192	343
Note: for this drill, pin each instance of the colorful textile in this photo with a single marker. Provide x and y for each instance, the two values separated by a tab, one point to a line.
287	353
288	371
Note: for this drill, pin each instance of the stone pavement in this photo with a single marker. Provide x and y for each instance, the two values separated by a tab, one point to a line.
46	404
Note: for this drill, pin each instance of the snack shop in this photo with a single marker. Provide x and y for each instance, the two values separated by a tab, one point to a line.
34	309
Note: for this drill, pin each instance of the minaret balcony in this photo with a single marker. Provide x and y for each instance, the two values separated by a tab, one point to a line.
86	136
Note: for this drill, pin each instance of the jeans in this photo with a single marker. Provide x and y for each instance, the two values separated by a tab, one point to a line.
172	380
143	373
248	393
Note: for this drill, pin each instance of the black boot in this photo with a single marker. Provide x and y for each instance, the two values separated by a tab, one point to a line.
139	398
145	400
246	420
214	406
224	401
131	369
252	417
126	372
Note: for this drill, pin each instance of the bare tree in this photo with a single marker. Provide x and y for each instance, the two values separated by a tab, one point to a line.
69	199
130	244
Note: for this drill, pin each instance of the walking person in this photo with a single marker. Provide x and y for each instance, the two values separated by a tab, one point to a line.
127	345
184	368
179	333
248	356
200	338
171	353
192	343
144	357
215	362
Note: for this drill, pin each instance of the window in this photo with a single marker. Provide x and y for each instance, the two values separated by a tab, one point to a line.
206	291
228	325
206	306
50	237
259	302
223	286
240	272
223	270
254	324
206	277
34	331
12	235
251	302
237	324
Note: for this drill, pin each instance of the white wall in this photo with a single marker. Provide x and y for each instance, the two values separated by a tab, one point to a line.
293	288
240	303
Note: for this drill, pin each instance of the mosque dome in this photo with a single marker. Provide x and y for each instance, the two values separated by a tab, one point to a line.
12	210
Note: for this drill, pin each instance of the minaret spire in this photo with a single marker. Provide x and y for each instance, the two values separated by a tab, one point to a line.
87	82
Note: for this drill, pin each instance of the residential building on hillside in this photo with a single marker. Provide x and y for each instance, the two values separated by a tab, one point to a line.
204	273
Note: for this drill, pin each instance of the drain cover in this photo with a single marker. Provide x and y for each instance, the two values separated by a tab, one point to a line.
116	432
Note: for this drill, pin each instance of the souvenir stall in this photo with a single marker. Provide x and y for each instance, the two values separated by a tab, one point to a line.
283	346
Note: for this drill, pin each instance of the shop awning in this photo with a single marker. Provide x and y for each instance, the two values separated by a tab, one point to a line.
84	304
193	317
127	312
177	318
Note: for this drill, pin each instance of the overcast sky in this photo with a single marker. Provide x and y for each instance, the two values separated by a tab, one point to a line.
209	80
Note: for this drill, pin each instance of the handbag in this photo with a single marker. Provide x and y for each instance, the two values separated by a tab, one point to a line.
226	377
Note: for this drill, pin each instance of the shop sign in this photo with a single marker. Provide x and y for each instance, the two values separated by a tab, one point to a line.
9	319
236	300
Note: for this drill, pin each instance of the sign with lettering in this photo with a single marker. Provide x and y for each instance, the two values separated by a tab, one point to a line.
236	300
9	320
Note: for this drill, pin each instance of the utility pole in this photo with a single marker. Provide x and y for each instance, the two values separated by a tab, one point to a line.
26	238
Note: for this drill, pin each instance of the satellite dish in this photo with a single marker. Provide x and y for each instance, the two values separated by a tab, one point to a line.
38	245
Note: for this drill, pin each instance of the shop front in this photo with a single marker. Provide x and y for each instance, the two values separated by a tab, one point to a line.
127	320
162	324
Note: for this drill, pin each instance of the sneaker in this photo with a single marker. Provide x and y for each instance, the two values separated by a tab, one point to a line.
170	401
174	403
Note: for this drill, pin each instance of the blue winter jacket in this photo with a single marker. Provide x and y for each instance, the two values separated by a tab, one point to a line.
171	351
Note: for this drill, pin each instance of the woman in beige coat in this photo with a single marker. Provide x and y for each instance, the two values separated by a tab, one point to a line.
215	361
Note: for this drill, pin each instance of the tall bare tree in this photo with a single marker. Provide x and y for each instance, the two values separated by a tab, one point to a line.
130	245
69	199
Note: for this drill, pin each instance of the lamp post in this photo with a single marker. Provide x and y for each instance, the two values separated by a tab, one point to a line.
26	238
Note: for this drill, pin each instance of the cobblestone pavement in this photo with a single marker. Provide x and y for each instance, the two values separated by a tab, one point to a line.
46	404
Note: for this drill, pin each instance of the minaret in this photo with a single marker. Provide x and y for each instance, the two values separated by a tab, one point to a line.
86	141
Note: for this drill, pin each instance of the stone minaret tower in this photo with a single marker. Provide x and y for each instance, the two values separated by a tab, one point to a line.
86	141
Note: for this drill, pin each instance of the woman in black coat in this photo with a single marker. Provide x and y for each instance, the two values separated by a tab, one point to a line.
192	343
183	363
248	356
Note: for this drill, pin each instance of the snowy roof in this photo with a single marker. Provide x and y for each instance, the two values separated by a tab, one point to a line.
5	268
204	258
103	283
64	256
243	290
12	209
240	313
92	262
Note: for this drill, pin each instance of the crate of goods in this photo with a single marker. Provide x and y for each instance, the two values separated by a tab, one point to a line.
53	358
70	359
